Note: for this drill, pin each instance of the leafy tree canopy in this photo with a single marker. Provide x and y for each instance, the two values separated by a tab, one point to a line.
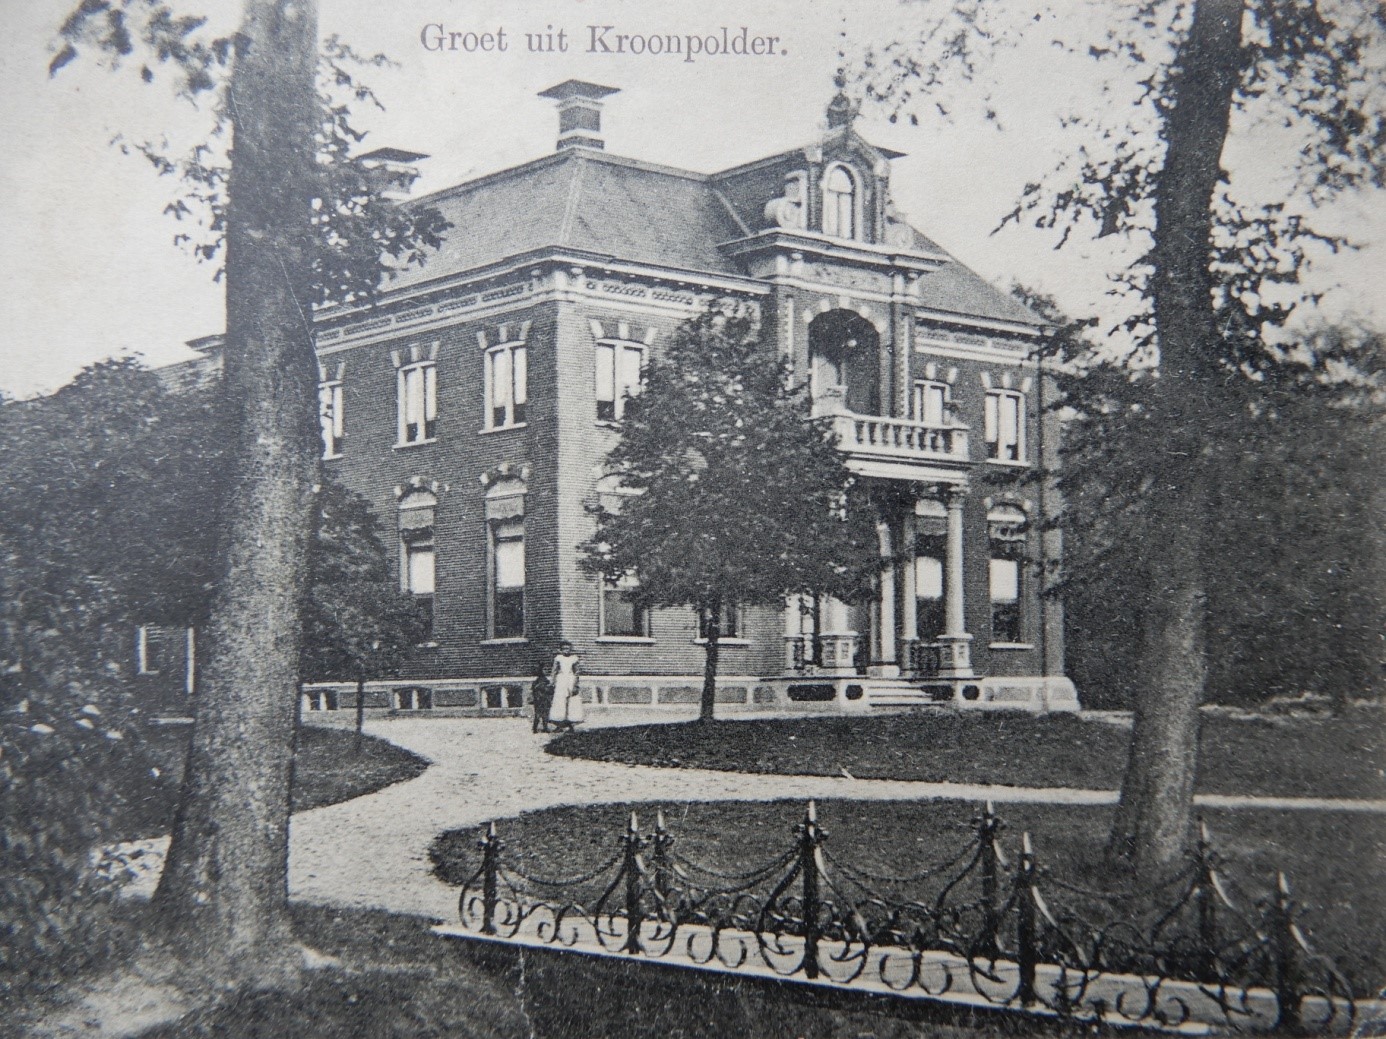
726	490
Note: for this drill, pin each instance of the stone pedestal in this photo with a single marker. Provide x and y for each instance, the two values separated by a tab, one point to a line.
955	656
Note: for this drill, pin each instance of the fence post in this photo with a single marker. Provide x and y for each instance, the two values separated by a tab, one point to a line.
662	866
632	867
1026	953
809	837
1205	900
988	827
490	872
1284	948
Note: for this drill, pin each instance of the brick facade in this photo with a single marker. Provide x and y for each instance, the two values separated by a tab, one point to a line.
581	247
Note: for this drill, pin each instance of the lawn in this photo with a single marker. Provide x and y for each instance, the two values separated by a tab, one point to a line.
327	770
1333	859
1299	757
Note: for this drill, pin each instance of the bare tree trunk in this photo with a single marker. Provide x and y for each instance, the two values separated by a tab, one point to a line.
224	888
1154	818
714	633
360	710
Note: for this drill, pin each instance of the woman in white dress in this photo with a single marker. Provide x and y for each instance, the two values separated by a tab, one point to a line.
567	699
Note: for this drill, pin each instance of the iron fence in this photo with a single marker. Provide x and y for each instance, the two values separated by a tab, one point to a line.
981	926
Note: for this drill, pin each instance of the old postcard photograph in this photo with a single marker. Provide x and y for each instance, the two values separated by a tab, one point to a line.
578	519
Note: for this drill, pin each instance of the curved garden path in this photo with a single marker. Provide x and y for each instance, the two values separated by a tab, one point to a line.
373	851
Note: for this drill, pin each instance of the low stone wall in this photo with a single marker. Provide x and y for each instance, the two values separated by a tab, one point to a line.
807	693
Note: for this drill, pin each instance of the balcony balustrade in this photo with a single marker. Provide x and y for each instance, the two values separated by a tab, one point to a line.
900	439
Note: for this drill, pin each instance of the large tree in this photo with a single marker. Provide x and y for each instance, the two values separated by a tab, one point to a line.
730	493
1218	272
293	237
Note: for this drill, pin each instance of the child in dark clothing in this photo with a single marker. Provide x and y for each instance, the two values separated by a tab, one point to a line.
541	696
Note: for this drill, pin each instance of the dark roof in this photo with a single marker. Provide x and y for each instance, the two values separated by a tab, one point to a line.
638	212
584	200
578	88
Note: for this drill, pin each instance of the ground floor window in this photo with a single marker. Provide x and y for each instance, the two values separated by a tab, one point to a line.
621	615
732	625
928	587
508	579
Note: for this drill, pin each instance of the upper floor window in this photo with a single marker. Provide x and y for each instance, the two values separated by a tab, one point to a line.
330	411
621	615
507	385
618	377
1005	425
839	203
930	402
418	403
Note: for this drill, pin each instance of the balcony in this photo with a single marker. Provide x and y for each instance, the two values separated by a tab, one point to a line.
874	437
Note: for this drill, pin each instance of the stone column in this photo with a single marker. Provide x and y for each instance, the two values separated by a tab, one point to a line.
909	617
957	643
884	665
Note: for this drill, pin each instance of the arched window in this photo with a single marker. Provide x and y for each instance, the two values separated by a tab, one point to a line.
839	203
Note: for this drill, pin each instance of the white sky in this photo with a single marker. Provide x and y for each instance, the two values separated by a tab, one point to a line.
90	270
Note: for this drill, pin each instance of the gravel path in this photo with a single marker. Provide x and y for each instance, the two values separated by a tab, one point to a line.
372	852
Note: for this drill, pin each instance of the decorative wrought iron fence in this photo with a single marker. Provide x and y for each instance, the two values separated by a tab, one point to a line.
981	926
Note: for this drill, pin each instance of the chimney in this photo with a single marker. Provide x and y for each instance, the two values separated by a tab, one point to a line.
579	112
391	170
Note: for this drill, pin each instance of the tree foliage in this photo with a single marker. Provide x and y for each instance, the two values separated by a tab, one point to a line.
1294	561
1223	258
359	236
729	493
107	489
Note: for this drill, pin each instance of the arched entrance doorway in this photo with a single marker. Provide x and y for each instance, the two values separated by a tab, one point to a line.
845	351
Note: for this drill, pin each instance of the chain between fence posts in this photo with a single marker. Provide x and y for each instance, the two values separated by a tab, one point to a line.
491	846
1027	955
1284	942
809	838
988	827
631	868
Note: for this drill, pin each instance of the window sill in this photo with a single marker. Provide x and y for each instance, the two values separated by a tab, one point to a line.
630	640
415	443
608	423
724	642
501	429
1008	464
516	641
1011	645
330	458
426	645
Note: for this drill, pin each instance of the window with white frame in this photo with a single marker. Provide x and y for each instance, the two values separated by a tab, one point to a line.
839	203
618	377
508	579
731	626
418	403
1006	535
418	554
507	385
1005	425
621	615
330	417
930	402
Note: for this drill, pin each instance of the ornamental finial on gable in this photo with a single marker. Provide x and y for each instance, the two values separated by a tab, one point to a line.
841	110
